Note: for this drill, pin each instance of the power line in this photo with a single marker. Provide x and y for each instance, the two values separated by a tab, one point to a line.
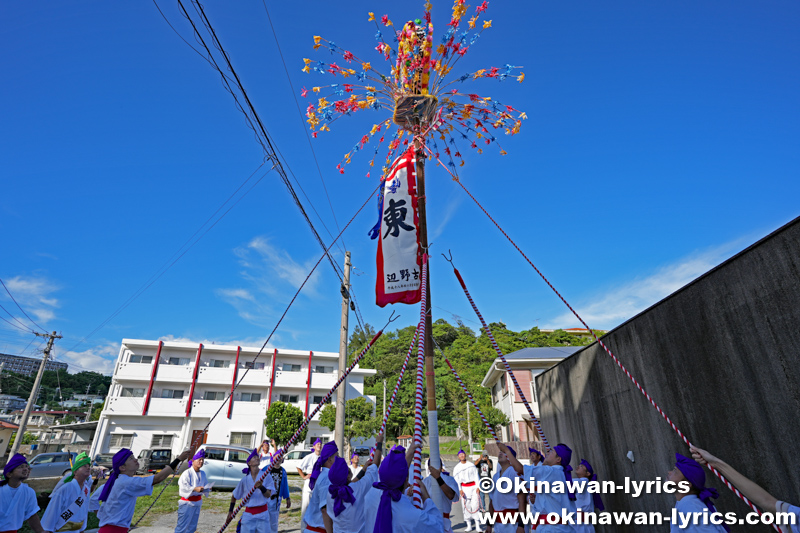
23	327
20	308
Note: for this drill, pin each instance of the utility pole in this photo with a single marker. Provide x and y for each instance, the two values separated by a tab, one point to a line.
34	391
341	393
469	432
91	404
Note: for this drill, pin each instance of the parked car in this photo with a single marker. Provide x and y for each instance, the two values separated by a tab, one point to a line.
224	463
153	460
292	460
51	464
104	460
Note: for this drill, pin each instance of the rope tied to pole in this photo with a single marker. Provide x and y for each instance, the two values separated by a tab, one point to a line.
417	494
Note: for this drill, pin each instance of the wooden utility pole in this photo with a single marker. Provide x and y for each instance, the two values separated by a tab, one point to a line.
342	391
34	391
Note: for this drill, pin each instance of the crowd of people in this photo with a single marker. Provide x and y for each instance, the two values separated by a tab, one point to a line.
343	496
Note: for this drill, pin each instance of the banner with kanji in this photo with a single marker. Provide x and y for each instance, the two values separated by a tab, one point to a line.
398	242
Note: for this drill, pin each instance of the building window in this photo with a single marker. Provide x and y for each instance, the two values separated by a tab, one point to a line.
121	440
214	396
254	366
144	359
318	400
286	367
170	393
323	369
219	363
251	396
288	398
503	383
178	361
161	441
242	439
130	392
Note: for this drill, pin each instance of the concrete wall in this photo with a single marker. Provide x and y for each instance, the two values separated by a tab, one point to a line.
721	357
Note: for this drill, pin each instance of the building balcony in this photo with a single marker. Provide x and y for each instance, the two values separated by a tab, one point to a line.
207	408
133	371
292	380
323	381
177	373
256	378
212	375
124	406
167	407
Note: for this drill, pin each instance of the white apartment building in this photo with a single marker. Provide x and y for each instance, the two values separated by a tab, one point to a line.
163	394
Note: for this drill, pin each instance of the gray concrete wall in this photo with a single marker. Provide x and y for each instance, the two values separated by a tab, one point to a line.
720	356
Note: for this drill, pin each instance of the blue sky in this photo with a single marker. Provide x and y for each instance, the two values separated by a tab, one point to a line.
662	138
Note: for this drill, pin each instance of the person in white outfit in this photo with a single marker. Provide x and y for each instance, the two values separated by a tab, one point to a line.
344	509
281	493
191	489
255	518
753	492
68	509
585	501
449	488
19	500
264	454
355	468
314	519
466	474
388	510
696	500
506	504
305	468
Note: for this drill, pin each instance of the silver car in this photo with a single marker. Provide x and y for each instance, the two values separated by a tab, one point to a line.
224	463
52	464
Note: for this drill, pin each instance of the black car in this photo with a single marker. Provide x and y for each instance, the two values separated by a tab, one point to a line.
153	460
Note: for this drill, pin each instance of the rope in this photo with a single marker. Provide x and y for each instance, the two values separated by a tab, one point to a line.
608	351
393	397
488	331
467	392
418	399
197	441
279	456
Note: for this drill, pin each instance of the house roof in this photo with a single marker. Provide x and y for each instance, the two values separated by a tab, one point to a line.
80	413
7	425
529	355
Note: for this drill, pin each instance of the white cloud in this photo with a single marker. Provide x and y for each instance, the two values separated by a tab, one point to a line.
446	216
33	294
612	307
100	359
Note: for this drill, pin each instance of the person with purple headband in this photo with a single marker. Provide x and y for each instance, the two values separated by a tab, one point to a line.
510	503
389	510
697	499
586	501
449	488
255	518
344	509
536	458
191	489
466	474
753	492
118	495
18	500
305	468
313	520
355	468
554	468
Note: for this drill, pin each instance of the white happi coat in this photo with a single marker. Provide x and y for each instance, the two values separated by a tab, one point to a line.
118	509
245	485
447	505
319	499
355	470
692	504
306	465
189	512
584	502
68	507
466	473
502	502
550	502
783	507
351	520
405	517
17	506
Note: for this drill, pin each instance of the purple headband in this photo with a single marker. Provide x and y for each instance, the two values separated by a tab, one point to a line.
461	451
393	474
254	453
352	456
512	450
565	453
537	452
339	489
598	502
119	459
696	475
201	454
12	463
317	442
329	450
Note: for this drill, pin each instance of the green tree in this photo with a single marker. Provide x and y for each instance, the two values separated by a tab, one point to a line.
359	419
282	422
97	410
27	438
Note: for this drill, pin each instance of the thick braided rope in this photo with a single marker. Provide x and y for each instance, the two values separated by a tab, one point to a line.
614	357
503	358
471	399
393	397
420	380
279	456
